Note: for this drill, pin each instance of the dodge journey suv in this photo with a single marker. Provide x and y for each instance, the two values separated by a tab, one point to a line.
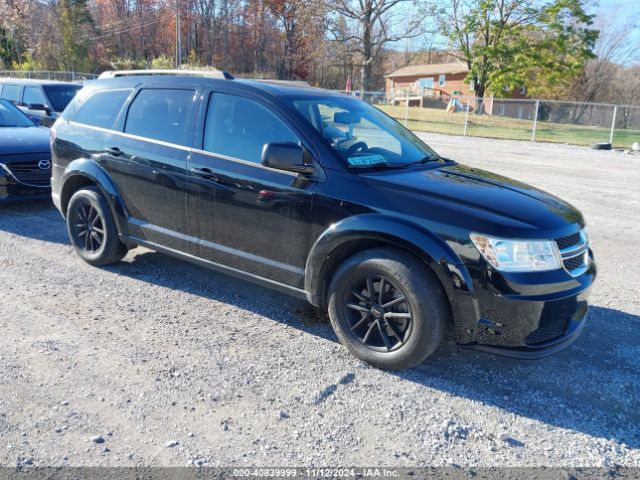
327	198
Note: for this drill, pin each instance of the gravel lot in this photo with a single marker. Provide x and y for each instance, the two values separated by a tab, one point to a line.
157	362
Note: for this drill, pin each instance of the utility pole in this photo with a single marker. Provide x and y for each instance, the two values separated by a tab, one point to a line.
178	37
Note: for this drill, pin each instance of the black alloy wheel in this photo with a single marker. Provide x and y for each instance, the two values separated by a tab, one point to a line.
378	313
388	307
87	226
92	230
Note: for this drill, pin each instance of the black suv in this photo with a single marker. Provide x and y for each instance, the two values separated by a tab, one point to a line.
43	100
327	198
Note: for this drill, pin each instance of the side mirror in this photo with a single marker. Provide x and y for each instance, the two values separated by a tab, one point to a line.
39	107
286	156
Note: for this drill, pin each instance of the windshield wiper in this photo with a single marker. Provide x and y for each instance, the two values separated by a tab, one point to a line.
426	159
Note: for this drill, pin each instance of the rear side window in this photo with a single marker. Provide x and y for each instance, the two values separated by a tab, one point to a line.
61	95
11	92
239	128
101	109
161	114
32	96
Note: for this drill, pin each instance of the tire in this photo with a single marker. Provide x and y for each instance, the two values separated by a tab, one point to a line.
99	244
415	327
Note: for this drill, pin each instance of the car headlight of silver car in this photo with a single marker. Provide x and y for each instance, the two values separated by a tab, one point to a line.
518	255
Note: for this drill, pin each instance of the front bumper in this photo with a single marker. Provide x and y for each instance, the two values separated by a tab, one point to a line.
12	190
527	316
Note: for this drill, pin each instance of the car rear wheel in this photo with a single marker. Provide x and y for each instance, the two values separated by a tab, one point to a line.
387	308
92	230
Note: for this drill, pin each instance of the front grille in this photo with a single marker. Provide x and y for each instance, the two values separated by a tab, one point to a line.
568	241
574	263
553	322
29	172
573	250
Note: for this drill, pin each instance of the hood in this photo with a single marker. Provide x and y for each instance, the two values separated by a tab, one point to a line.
474	199
17	140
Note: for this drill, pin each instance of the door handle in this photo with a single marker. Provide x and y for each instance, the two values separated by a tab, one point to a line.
115	151
204	173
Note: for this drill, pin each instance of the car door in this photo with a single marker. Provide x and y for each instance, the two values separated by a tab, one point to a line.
148	162
245	215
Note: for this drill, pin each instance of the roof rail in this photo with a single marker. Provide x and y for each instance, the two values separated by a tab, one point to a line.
187	73
298	83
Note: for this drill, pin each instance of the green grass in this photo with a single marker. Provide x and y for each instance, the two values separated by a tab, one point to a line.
490	126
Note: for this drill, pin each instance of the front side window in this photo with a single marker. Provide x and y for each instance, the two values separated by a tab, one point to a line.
360	133
33	96
161	114
239	128
11	93
60	95
101	109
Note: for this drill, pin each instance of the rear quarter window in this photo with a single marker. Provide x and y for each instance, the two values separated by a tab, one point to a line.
60	95
100	109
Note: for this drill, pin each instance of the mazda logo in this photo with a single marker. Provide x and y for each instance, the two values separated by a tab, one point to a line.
44	164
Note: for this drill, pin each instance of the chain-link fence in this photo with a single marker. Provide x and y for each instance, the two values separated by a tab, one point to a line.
48	75
515	119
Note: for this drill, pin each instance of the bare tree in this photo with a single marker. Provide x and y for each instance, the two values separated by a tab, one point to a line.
376	23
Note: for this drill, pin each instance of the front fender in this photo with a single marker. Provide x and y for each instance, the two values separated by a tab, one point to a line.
377	227
80	170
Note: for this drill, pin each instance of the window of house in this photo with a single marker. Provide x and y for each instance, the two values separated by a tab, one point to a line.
426	82
160	114
239	128
523	90
441	79
101	109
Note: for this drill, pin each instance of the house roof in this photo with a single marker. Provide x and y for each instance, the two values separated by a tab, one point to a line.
433	69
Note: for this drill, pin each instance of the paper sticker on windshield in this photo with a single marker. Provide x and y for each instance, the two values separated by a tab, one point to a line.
366	160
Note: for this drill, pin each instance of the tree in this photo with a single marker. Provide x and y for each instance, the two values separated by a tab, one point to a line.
76	24
375	24
14	15
510	43
603	78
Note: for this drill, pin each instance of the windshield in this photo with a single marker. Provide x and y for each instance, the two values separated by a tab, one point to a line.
11	116
60	95
361	134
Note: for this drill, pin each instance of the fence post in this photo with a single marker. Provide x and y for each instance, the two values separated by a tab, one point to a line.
613	123
466	117
406	110
535	121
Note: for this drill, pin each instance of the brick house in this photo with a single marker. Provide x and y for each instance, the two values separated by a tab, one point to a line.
442	77
434	84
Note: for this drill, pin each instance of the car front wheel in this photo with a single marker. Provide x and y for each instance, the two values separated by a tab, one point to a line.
92	230
387	308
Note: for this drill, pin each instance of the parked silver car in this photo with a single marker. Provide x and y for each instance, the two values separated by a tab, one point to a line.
42	100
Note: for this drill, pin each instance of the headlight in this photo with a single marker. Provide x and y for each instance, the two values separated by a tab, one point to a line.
518	255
